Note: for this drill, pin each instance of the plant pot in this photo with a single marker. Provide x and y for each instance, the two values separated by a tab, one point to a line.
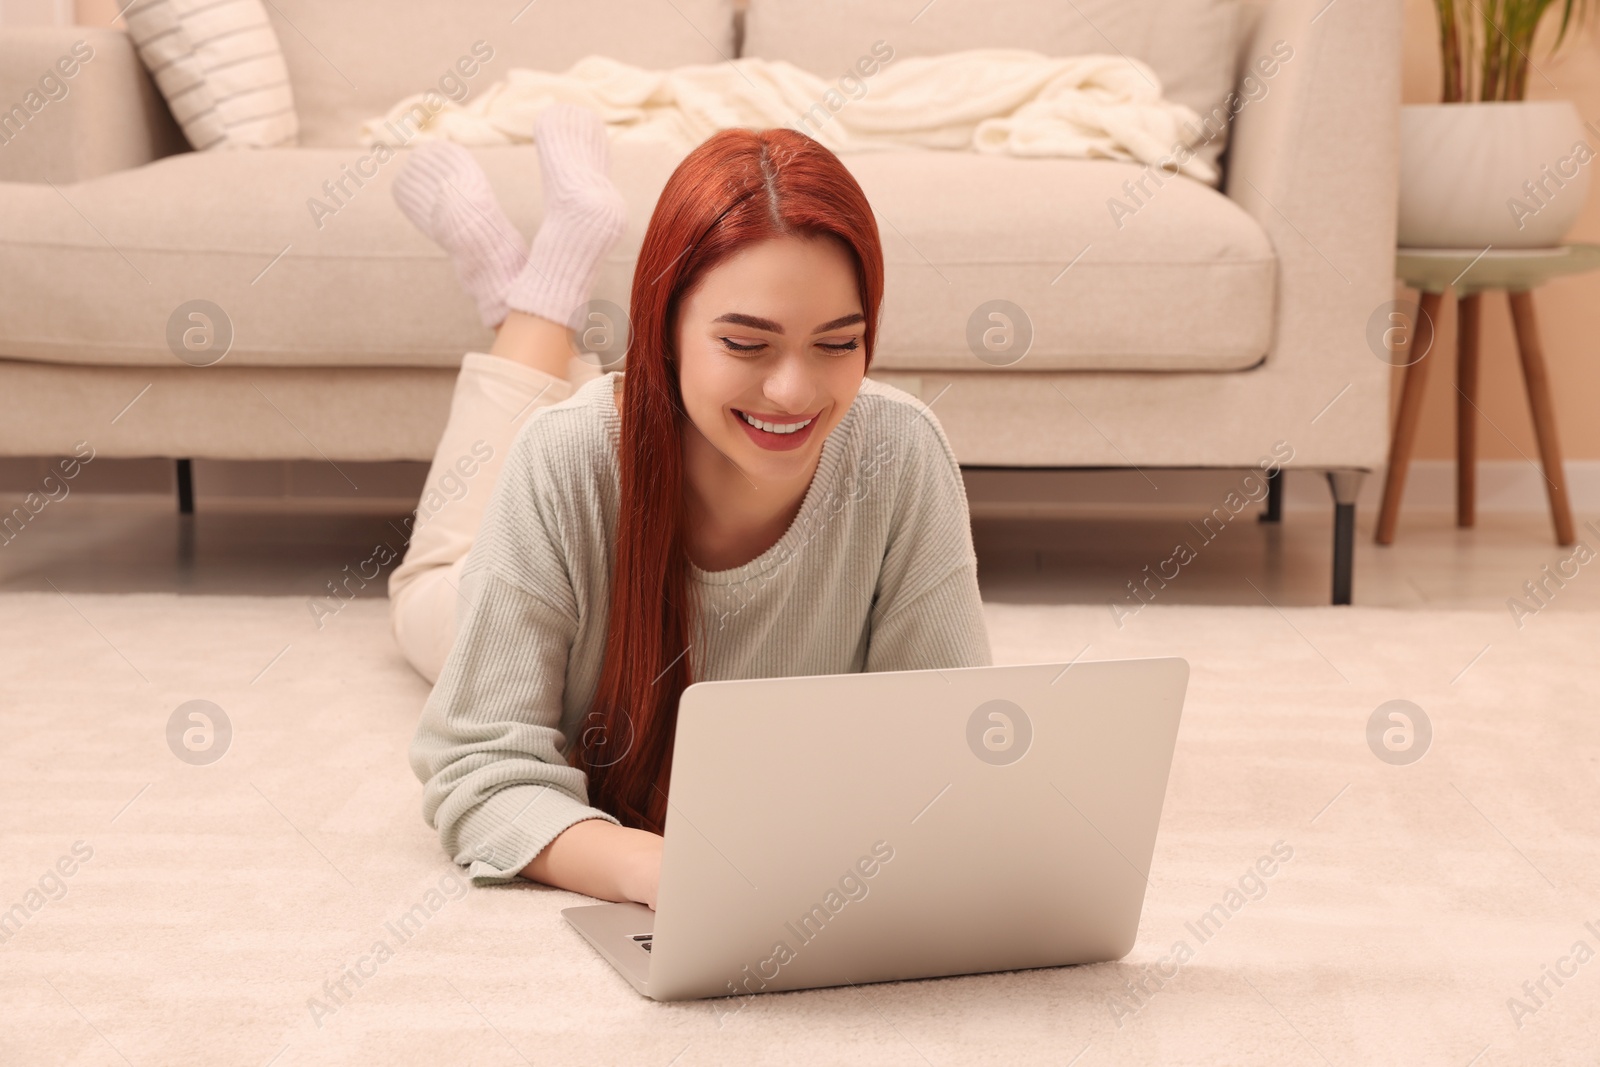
1512	174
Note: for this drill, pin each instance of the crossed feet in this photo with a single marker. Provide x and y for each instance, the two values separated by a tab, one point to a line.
527	293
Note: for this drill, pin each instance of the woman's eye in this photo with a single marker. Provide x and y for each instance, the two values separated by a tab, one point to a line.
734	346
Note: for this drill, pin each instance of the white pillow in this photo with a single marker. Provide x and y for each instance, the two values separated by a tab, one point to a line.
219	66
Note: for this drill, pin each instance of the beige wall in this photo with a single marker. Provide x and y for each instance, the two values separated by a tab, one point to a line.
1569	308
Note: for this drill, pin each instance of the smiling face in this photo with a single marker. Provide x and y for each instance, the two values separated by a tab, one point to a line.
773	334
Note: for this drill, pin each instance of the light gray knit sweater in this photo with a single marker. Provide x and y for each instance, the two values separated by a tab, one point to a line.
875	573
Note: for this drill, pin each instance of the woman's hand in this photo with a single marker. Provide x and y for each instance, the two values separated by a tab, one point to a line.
639	867
601	859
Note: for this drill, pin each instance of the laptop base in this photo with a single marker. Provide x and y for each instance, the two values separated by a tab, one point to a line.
612	929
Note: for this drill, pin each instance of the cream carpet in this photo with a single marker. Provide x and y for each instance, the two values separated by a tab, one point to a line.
207	906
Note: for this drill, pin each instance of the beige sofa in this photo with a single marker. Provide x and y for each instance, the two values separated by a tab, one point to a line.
1194	327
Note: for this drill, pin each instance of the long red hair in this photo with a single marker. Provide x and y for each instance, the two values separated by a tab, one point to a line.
739	187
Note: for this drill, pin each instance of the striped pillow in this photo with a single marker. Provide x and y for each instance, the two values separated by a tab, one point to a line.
219	66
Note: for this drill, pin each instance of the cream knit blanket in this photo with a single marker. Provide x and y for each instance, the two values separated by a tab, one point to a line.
990	100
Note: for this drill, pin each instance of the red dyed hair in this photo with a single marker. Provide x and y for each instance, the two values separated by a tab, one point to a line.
739	187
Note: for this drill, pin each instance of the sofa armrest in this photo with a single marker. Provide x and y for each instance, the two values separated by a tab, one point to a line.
1315	160
76	102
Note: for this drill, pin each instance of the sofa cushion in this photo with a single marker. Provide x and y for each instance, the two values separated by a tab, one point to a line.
310	267
1172	276
313	265
1190	44
350	60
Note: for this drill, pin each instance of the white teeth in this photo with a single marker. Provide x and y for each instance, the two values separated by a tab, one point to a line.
773	427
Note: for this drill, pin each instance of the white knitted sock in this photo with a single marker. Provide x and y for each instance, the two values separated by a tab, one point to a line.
584	214
445	193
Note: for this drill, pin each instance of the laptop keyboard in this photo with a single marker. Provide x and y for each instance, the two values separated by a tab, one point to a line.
643	940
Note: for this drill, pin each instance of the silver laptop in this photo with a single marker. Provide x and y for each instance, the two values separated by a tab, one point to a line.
846	828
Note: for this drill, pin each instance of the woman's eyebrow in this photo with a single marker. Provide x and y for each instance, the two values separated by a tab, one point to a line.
756	322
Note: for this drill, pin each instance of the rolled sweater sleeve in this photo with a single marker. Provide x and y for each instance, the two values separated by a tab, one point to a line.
926	610
488	748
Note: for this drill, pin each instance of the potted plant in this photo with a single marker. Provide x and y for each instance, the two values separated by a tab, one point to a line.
1486	166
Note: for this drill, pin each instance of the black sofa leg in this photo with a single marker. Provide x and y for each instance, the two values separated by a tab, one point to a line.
185	487
1274	512
1345	485
1344	543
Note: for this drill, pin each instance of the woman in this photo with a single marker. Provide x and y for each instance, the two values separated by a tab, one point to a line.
740	502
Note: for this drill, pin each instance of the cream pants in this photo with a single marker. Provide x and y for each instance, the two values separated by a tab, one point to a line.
493	398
